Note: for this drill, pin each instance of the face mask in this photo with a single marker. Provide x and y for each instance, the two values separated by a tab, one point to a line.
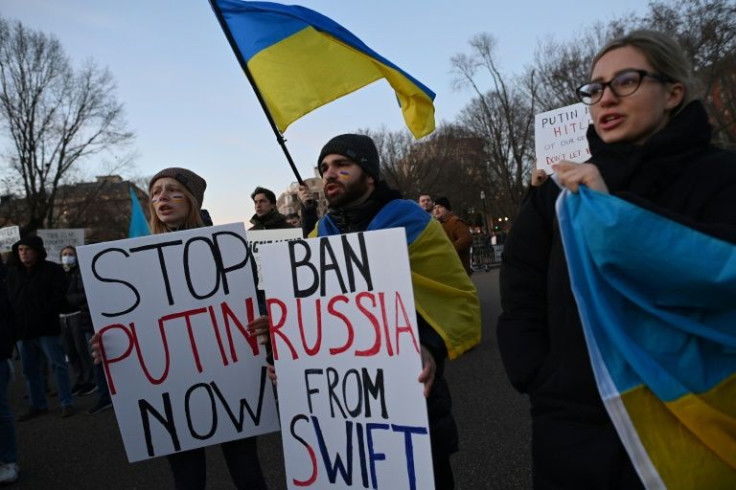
69	260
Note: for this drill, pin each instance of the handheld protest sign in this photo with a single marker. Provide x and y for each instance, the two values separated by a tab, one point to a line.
8	236
560	135
256	238
171	311
54	241
347	357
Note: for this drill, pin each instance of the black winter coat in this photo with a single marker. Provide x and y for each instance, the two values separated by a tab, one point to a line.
37	296
677	174
76	299
8	335
273	220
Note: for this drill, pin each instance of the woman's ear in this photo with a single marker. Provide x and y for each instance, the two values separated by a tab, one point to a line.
675	94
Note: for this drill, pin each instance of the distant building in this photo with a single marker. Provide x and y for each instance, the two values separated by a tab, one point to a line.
288	201
102	208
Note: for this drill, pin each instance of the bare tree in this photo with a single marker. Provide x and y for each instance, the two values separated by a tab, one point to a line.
54	117
503	118
706	29
561	67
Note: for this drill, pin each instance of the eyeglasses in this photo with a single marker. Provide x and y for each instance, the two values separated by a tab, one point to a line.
622	85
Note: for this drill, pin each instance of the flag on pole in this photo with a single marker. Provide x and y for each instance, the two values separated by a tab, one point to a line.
656	300
138	224
300	60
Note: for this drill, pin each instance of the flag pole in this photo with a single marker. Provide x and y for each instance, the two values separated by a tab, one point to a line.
244	66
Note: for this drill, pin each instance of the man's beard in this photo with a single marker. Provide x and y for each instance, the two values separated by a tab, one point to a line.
351	192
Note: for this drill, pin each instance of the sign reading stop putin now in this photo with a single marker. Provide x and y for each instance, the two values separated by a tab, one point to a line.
172	311
347	356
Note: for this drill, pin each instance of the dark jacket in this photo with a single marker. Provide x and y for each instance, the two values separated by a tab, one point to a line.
677	174
272	220
439	404
8	335
76	299
37	294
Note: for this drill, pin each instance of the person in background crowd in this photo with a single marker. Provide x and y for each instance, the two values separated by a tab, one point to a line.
457	230
36	288
426	203
176	200
76	328
266	217
81	322
294	220
8	450
359	201
650	145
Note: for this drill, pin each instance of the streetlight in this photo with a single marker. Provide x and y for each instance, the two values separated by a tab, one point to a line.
485	221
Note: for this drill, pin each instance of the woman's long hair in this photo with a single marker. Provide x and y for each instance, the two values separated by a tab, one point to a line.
194	219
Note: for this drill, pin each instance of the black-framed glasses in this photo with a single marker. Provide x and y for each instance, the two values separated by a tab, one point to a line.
622	85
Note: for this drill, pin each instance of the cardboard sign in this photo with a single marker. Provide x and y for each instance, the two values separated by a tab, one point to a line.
54	241
8	236
347	356
172	311
560	135
256	238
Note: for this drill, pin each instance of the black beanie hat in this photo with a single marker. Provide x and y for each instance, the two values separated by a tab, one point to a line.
444	202
34	242
193	182
359	148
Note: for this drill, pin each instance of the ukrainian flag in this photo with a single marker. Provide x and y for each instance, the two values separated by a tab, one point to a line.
300	60
443	293
138	224
658	305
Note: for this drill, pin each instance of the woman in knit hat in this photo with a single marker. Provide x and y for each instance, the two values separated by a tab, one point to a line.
176	200
176	196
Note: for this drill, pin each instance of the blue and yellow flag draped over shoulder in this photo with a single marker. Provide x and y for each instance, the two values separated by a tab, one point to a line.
301	60
656	300
443	293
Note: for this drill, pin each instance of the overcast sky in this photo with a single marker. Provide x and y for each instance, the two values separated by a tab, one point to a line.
191	106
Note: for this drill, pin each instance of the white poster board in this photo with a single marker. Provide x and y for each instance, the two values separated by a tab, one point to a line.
560	135
347	357
256	238
54	241
172	311
8	236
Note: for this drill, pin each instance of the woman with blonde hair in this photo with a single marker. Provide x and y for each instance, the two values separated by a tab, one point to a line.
176	196
650	145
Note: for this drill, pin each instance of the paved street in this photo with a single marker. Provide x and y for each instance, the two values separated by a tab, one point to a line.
86	452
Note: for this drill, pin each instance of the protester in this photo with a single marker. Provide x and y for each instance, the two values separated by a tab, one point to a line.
76	327
457	230
176	199
37	287
294	220
267	216
8	450
650	145
80	322
359	201
426	203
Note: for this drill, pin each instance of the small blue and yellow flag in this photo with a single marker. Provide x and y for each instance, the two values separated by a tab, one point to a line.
656	300
300	60
138	224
